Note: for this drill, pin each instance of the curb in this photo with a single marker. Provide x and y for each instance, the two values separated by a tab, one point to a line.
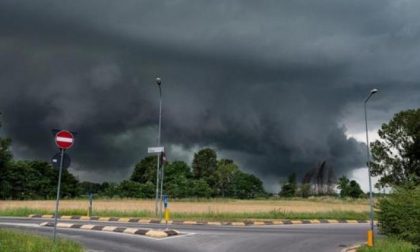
133	231
216	223
352	248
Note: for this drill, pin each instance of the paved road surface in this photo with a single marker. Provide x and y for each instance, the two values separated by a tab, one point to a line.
290	238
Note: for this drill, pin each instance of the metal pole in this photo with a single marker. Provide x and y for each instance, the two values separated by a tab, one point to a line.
158	155
90	204
368	163
58	194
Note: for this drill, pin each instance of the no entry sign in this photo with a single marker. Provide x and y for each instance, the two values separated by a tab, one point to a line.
64	139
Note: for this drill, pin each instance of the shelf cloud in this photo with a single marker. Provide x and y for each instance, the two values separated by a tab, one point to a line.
275	86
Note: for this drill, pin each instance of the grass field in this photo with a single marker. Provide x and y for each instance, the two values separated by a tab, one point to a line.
214	209
16	241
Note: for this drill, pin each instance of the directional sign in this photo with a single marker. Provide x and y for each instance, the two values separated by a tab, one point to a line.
64	139
55	161
155	149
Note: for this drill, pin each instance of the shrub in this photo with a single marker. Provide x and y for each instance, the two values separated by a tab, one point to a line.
399	214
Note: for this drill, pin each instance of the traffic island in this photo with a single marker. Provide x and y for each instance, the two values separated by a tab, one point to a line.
133	231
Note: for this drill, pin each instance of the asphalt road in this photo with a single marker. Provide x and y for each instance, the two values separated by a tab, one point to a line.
301	237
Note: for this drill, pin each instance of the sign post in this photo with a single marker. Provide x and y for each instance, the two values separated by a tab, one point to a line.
63	140
158	150
90	204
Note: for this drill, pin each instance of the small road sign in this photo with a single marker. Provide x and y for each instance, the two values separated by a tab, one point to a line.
165	200
55	160
64	139
155	149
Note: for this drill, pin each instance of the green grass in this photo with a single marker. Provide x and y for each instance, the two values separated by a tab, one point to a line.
16	241
206	216
390	245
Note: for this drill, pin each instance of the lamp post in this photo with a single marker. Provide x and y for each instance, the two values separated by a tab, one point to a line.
158	82
370	232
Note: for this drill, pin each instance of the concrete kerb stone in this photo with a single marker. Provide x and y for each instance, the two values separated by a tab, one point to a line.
217	223
133	231
352	248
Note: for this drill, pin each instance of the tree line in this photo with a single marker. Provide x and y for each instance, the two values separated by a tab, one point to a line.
207	177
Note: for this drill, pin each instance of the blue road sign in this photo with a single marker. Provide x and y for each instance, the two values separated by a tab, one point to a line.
165	200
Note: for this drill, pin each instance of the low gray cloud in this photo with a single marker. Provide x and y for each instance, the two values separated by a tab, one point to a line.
267	84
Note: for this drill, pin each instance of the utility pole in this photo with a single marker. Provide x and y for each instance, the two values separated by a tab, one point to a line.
158	82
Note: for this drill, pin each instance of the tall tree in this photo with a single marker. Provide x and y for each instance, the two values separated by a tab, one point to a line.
224	175
343	185
204	165
396	156
145	170
247	186
178	180
349	188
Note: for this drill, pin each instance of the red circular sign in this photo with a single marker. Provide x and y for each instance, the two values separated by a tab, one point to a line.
64	139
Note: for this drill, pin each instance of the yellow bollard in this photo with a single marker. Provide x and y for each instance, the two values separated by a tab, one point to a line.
167	215
370	238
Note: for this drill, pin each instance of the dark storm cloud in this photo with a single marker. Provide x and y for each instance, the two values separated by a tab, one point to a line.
267	84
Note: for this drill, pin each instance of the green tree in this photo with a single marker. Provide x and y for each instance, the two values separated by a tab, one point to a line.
177	179
5	158
87	187
145	170
354	190
396	156
46	177
204	165
176	169
247	186
289	188
224	175
349	188
109	190
200	188
343	185
130	189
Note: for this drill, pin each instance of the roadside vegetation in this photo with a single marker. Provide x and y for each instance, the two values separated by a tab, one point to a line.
225	209
18	241
399	214
390	245
200	216
396	159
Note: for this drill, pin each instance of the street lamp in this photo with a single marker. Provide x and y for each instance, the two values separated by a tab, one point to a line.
370	232
158	82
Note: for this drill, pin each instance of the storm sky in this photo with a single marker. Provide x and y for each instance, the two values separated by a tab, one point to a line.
277	86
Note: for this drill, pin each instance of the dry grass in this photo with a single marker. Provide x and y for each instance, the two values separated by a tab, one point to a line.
221	206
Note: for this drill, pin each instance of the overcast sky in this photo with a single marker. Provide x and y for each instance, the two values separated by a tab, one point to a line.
276	86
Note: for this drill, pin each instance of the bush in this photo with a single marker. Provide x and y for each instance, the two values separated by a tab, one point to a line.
399	214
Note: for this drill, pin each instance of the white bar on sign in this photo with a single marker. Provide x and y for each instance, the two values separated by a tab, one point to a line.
155	149
64	139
